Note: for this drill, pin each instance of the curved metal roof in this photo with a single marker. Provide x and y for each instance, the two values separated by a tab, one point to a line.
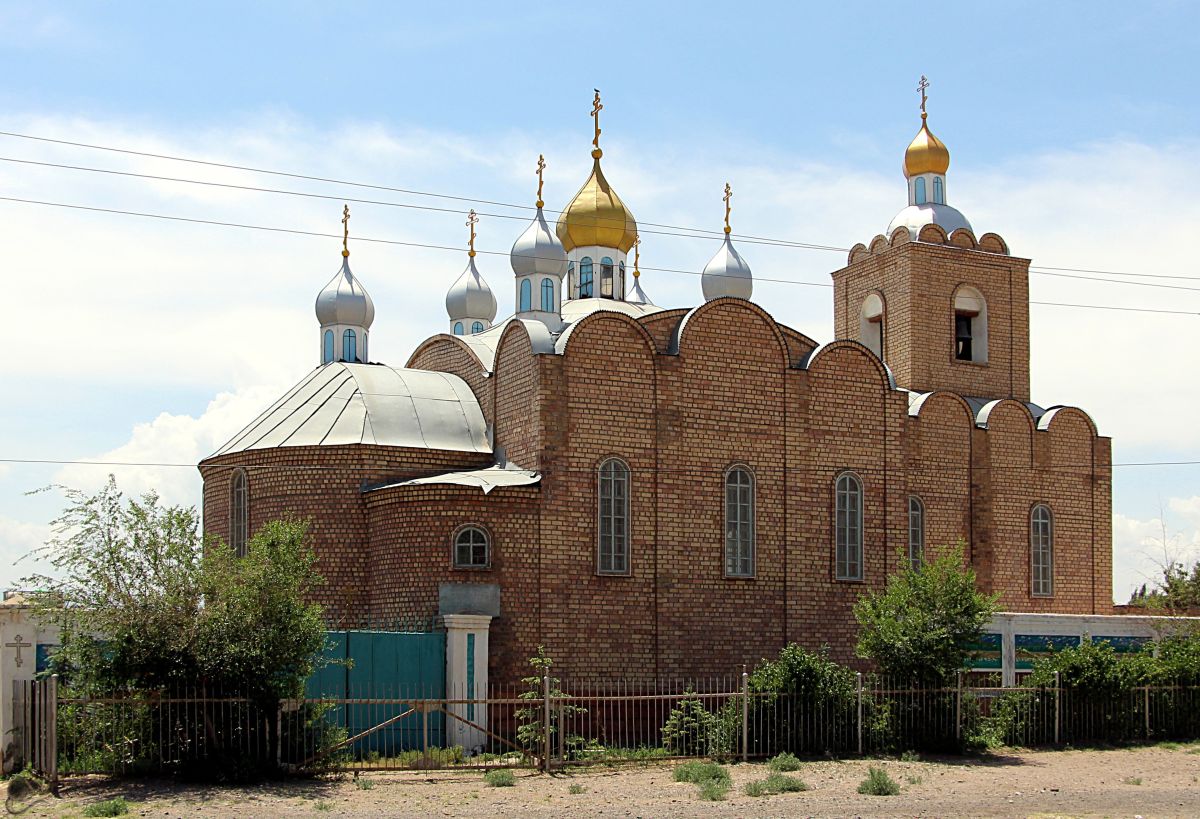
343	403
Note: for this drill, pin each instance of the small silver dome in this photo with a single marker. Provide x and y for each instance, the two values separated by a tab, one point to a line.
538	251
345	301
915	217
470	297
727	274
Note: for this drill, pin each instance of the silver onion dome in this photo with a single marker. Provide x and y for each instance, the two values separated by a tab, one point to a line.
538	251
915	217
727	274
470	297
345	301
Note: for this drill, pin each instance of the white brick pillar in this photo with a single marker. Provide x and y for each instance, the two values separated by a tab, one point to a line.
467	678
20	637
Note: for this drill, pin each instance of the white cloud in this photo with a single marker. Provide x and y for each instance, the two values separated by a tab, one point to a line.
18	539
1141	548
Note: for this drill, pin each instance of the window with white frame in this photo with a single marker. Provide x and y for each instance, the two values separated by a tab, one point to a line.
472	548
613	531
848	534
916	532
739	522
1041	544
239	512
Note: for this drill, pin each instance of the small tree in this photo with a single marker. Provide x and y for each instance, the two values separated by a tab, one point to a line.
531	728
920	626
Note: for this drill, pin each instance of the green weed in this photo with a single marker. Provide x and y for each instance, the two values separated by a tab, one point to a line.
700	772
784	762
364	784
324	806
500	778
576	789
878	783
1133	780
714	790
110	807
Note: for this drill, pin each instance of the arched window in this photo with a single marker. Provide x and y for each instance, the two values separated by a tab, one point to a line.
870	324
585	277
239	513
739	523
349	346
327	347
970	326
919	191
606	278
1041	544
939	193
458	328
548	305
848	535
613	540
477	327
472	548
525	303
916	532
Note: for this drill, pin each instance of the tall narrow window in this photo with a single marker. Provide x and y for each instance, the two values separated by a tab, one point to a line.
572	285
739	523
471	548
327	347
970	325
349	346
620	288
848	528
585	277
939	195
919	191
458	328
525	303
239	513
1041	542
548	305
477	327
870	324
916	532
613	491
606	278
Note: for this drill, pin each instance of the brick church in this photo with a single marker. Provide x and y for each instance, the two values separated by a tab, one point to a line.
659	491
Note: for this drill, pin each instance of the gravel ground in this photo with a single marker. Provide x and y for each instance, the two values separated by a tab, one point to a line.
1157	781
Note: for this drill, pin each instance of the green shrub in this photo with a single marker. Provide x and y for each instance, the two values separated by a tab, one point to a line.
576	788
324	806
110	807
714	790
910	756
700	772
756	787
364	784
690	728
785	762
878	783
777	782
500	778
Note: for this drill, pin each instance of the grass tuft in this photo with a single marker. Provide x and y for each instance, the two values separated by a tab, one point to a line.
878	783
109	807
714	790
364	784
324	806
910	756
700	772
913	780
757	787
1133	780
784	762
576	788
782	783
500	778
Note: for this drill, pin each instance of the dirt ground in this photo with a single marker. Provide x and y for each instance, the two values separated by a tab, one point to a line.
1157	781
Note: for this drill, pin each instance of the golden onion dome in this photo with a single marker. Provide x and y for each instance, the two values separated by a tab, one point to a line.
926	153
597	216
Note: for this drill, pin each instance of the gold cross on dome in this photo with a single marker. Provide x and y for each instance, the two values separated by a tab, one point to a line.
19	644
541	167
921	86
472	220
345	230
637	253
728	195
597	107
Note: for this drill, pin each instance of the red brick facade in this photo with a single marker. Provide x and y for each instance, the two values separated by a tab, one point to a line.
680	397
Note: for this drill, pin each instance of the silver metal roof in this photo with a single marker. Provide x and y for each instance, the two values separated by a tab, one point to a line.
485	479
342	403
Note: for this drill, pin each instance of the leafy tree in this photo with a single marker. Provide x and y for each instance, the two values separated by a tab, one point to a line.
918	627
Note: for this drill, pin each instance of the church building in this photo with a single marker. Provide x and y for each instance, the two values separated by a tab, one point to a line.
669	491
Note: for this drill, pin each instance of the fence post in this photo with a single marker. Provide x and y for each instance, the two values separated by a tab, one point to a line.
745	715
858	687
958	709
546	717
1146	692
52	761
1057	707
279	736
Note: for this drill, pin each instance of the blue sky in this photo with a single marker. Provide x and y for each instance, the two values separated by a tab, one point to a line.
1073	129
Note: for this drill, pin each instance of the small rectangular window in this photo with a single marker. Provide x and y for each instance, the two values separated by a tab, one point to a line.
962	337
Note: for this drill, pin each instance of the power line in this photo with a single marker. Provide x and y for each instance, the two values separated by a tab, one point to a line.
319	234
696	232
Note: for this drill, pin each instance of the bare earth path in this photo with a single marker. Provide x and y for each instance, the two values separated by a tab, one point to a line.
1147	782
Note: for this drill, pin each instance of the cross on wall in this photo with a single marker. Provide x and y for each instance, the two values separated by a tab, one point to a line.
18	644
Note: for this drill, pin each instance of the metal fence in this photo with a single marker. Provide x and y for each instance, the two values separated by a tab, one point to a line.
573	722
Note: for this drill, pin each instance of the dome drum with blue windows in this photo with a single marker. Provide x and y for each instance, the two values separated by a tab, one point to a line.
345	313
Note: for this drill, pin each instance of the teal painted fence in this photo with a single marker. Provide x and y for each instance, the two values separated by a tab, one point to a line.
383	665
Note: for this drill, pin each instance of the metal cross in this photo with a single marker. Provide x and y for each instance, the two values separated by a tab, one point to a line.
18	645
472	220
597	107
541	167
921	86
728	195
345	230
637	253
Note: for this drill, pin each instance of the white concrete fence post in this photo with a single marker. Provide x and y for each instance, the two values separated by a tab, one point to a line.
858	687
745	715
